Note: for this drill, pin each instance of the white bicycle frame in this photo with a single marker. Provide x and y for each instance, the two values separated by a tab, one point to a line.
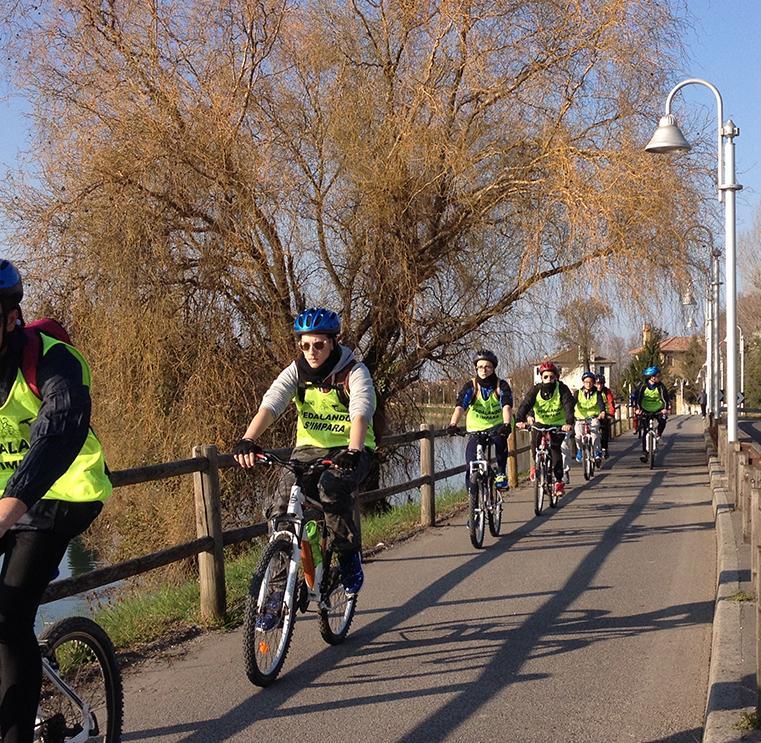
296	510
479	465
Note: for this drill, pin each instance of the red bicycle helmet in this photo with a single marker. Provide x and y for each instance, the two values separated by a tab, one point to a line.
550	367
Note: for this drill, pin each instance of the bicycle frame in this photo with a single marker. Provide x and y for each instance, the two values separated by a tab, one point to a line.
67	691
480	465
295	517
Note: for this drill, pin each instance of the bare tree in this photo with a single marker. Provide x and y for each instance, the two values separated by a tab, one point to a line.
207	170
580	327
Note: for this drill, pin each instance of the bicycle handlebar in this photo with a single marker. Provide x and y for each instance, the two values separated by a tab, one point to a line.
300	469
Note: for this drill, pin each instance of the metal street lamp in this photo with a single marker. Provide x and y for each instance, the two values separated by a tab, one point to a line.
711	379
669	138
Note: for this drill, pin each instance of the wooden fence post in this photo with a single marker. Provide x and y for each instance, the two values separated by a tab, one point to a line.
427	489
211	565
512	459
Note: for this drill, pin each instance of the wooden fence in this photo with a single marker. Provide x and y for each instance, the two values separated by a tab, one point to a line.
205	466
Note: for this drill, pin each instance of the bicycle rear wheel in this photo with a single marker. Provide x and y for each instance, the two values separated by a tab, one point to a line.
476	522
82	655
337	609
265	648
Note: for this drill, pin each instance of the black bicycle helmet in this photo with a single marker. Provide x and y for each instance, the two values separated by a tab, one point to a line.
485	355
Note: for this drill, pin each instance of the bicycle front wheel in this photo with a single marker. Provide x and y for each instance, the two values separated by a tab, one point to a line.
476	522
495	509
589	465
539	489
82	656
268	619
337	609
651	449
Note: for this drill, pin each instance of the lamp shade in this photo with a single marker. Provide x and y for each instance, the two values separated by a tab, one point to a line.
668	137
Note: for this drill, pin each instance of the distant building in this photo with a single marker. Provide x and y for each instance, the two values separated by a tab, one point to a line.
572	366
673	350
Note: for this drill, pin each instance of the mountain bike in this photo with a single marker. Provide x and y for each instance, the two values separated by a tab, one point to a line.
485	502
587	454
295	570
648	427
81	698
544	483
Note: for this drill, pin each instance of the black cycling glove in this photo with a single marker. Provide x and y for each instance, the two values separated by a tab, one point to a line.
453	430
504	430
347	459
246	446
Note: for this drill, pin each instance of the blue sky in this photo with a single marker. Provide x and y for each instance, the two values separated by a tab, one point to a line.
723	46
725	49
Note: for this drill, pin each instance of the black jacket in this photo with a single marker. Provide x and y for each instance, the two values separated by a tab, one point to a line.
61	427
566	400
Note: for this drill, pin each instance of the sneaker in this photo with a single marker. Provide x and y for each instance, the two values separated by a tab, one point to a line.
500	482
560	489
643	458
598	454
352	575
604	453
578	455
271	617
532	474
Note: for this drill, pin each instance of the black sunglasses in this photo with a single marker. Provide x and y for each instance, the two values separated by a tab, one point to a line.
317	345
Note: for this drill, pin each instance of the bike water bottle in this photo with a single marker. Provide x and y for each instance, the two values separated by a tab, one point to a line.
312	531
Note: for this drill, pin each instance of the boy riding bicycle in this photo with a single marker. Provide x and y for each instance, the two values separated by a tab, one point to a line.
488	401
651	399
549	403
335	403
588	403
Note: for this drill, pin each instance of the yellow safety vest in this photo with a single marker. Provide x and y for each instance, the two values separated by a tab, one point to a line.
323	420
483	414
549	412
86	479
586	407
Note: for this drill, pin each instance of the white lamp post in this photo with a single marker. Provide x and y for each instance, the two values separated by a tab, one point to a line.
669	138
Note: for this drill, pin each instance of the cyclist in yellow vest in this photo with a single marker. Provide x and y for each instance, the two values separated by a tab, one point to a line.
588	403
651	400
53	482
335	403
548	404
487	403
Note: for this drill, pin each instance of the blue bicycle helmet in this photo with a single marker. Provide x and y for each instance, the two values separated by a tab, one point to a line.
485	355
651	371
11	289
317	320
587	375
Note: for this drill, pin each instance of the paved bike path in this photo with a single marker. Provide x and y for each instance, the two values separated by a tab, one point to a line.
591	623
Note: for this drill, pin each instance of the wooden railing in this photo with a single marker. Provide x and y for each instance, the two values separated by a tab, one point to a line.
205	466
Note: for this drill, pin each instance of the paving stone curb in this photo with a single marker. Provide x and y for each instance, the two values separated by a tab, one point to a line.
728	698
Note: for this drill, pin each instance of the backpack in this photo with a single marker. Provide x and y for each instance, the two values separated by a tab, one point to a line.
32	351
338	382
